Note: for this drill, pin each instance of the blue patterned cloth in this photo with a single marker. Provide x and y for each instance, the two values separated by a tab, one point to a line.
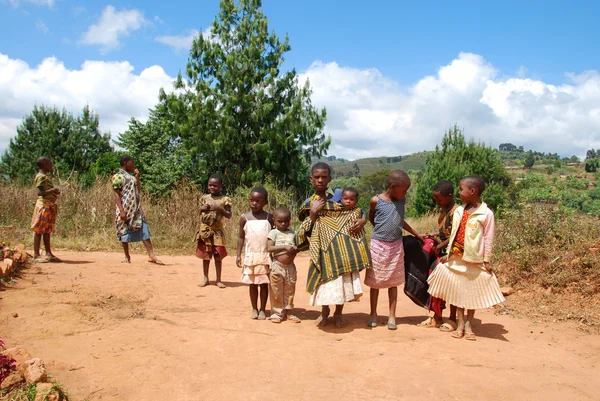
389	220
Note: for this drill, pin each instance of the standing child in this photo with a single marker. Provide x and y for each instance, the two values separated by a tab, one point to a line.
282	245
443	194
44	214
387	251
465	277
255	227
210	238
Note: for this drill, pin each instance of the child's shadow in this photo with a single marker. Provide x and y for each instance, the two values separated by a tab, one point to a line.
494	331
231	284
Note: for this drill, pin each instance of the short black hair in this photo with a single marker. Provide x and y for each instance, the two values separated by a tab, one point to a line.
40	161
261	190
444	187
398	177
352	190
124	159
217	176
283	210
321	166
475	181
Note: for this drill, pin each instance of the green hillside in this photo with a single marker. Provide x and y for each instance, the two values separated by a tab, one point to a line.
360	167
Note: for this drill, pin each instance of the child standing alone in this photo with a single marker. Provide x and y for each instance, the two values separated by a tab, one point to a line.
255	227
282	245
387	250
465	278
211	238
44	214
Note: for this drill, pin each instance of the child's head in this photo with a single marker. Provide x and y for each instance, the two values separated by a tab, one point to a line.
349	197
443	193
398	184
215	184
45	164
258	199
471	189
320	176
282	217
127	163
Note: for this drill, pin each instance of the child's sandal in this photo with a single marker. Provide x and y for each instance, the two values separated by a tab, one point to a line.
458	334
275	319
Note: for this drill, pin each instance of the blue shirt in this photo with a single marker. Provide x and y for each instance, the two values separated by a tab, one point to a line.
389	220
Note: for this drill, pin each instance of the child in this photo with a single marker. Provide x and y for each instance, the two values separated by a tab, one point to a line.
282	245
210	238
44	214
255	227
130	220
465	277
327	227
387	252
349	197
443	194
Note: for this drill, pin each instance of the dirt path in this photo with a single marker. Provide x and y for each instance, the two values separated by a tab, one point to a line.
109	331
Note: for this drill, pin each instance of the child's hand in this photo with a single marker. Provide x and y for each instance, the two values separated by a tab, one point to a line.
444	259
358	226
438	249
57	191
291	250
418	236
136	172
488	268
205	208
123	216
238	261
317	205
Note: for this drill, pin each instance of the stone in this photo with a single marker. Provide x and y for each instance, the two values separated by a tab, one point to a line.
34	371
6	267
45	392
506	291
12	380
18	354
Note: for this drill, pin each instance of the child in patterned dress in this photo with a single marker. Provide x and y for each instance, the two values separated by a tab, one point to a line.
44	214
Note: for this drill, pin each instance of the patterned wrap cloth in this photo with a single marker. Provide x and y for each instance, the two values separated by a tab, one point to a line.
46	210
130	199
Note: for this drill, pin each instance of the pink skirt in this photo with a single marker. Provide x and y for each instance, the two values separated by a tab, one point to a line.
388	264
258	274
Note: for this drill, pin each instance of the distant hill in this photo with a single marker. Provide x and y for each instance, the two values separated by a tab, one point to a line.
344	168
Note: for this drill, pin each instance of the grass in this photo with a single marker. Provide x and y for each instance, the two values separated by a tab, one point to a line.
28	392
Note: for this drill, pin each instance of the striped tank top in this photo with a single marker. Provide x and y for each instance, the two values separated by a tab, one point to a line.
389	220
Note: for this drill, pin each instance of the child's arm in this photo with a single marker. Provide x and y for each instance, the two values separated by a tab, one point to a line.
117	197
271	248
41	192
358	224
225	211
408	228
372	204
441	246
241	239
489	226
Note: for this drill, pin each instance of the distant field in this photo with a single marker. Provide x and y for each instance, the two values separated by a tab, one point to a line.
415	161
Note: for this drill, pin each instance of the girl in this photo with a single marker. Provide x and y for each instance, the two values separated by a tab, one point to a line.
387	251
255	227
44	214
465	277
210	238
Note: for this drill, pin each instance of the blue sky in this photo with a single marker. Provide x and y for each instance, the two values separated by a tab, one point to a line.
379	44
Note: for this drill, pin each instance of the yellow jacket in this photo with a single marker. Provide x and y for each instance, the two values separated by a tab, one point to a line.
479	234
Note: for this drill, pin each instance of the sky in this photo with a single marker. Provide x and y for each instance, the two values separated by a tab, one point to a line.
393	75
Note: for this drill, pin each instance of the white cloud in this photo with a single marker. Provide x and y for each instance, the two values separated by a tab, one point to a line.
371	115
39	24
111	26
112	89
17	3
181	43
157	19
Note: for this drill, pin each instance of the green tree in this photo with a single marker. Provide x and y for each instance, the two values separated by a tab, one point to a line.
236	112
529	160
73	143
457	158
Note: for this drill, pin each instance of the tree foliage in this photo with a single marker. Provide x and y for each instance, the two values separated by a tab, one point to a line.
529	160
236	112
73	143
457	158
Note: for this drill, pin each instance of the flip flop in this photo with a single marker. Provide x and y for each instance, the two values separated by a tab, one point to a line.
470	337
40	260
294	319
372	324
275	319
448	326
53	258
392	326
458	334
156	262
429	323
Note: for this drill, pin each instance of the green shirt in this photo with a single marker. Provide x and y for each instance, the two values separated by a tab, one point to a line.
43	182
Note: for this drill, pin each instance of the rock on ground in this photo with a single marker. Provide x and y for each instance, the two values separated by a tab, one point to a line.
33	371
14	379
46	392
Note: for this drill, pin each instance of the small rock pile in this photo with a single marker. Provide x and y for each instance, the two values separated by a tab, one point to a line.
11	258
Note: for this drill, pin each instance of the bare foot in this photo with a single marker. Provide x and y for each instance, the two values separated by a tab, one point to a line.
323	318
204	282
156	261
126	260
340	323
262	315
221	285
254	314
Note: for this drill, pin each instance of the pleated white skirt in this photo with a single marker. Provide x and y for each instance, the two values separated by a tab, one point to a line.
465	285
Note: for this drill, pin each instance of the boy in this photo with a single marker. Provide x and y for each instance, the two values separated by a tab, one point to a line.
44	214
333	276
281	244
443	194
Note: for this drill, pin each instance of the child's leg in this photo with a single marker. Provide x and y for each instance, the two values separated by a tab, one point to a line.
151	256
393	298
47	244
205	266
374	297
218	268
469	335
322	320
277	283
340	322
253	290
460	329
37	240
264	296
289	291
452	313
126	251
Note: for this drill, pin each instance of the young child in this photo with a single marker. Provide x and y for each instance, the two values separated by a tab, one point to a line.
255	227
465	277
387	251
210	238
443	194
349	197
282	246
44	214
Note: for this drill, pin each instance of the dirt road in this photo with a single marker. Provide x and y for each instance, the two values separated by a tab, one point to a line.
109	331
